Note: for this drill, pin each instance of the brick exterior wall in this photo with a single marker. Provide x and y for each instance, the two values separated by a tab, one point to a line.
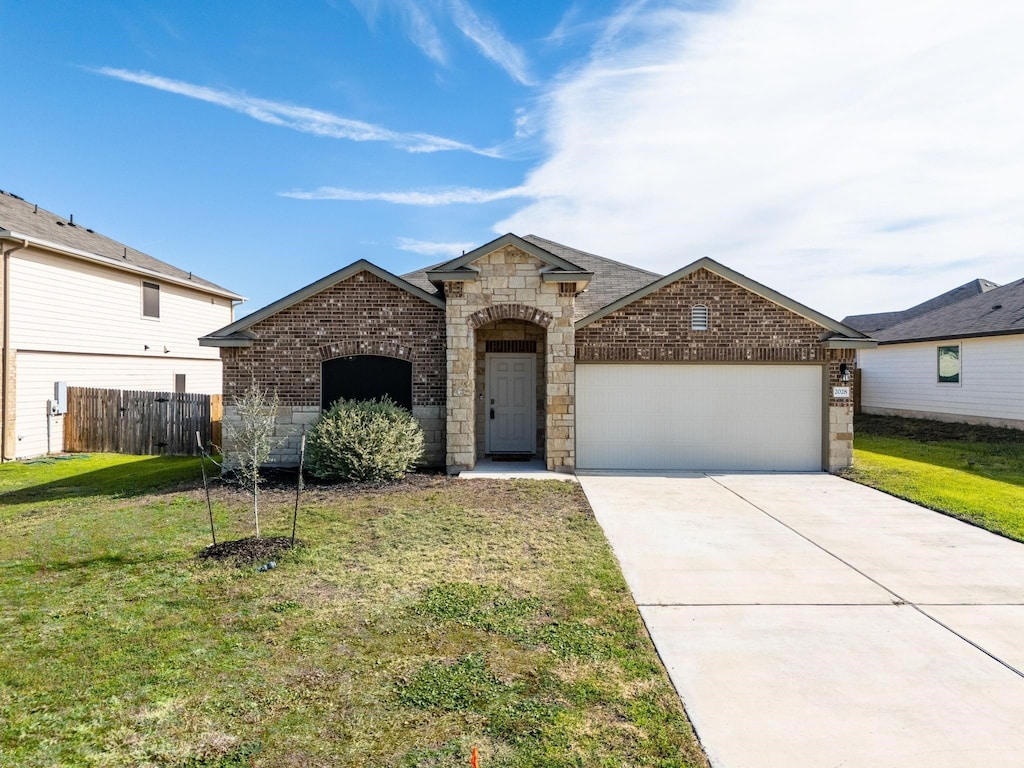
361	315
742	328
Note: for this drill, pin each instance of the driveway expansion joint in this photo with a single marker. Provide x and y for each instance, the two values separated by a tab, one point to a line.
898	599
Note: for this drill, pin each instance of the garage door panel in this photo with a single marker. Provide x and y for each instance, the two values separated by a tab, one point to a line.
729	417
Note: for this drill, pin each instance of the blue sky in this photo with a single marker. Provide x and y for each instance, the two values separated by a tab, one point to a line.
855	156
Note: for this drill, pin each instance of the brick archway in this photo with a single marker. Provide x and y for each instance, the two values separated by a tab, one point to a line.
510	312
364	347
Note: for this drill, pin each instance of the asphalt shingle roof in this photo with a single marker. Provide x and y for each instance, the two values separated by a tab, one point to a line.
875	322
997	311
612	279
24	218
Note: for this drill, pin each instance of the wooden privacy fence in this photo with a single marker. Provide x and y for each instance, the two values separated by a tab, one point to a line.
141	423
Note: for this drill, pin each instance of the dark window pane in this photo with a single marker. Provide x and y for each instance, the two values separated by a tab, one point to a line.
150	300
366	377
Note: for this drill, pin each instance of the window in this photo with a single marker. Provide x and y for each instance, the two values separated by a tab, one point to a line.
179	382
150	300
949	364
699	318
366	377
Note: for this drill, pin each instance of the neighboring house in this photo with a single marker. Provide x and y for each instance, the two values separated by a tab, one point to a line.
524	347
85	310
875	322
961	361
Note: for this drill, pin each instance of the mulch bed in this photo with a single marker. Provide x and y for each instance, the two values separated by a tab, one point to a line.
249	550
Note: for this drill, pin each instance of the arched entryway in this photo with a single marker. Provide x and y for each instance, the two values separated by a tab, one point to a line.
510	376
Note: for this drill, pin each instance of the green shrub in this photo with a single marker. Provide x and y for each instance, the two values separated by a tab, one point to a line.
370	440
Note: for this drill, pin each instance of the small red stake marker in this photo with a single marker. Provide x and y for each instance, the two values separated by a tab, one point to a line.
472	760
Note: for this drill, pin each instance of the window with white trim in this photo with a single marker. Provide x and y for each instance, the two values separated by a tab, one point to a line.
150	300
949	364
699	318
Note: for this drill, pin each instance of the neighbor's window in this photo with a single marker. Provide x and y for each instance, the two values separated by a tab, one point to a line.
699	318
150	300
179	382
949	364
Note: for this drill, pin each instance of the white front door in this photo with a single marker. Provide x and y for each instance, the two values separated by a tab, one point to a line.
510	406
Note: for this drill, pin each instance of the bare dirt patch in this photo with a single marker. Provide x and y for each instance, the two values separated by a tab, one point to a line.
249	550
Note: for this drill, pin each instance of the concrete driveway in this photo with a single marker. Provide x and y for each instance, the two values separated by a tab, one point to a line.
809	622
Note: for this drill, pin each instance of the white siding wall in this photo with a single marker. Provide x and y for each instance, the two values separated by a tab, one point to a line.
82	323
38	371
901	379
63	304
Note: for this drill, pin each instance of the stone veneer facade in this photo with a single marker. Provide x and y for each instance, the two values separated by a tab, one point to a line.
743	327
509	286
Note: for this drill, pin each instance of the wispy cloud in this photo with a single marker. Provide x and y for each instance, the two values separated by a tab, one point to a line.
417	22
428	248
420	23
794	142
491	42
297	118
432	197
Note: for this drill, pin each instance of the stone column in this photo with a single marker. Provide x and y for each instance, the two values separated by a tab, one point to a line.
461	386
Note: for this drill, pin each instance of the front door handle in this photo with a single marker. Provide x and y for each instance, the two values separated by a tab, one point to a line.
492	413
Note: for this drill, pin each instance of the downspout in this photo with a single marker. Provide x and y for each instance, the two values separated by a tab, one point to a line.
5	366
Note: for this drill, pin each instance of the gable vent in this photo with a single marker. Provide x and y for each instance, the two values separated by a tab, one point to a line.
699	318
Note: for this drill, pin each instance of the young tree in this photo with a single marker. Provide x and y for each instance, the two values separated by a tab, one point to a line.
252	439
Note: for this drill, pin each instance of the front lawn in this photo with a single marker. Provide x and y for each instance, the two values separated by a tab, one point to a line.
973	473
417	622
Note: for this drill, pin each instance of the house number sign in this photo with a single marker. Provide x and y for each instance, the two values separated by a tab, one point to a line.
840	392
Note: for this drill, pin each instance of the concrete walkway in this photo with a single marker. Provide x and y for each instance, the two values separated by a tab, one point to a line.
809	622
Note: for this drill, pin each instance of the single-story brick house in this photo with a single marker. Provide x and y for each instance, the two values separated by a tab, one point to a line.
525	346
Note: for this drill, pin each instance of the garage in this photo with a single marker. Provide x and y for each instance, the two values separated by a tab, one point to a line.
699	417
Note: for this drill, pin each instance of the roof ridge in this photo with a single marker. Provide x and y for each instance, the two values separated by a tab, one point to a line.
992	294
591	255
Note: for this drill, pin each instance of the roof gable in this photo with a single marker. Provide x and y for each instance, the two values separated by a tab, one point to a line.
834	328
462	266
237	333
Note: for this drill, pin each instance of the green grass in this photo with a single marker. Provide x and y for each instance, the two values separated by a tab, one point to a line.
972	473
417	621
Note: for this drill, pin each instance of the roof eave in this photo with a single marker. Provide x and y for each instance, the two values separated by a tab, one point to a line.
107	261
952	336
566	276
838	342
437	276
235	340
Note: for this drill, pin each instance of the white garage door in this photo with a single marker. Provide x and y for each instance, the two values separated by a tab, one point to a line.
702	417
